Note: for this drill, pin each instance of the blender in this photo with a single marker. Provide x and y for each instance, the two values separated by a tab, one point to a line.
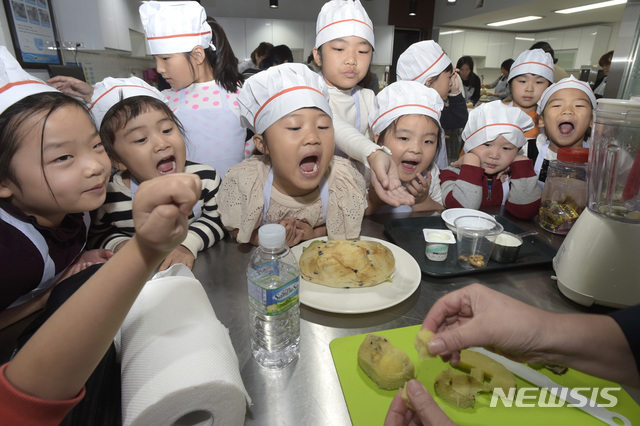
599	259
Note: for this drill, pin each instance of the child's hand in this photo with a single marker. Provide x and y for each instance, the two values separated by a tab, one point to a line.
471	159
502	176
419	187
385	180
454	89
457	163
180	254
161	208
293	235
95	256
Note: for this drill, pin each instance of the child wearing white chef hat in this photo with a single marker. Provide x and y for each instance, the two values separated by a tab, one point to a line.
53	169
405	119
193	54
343	49
297	181
144	140
566	116
426	63
492	171
530	75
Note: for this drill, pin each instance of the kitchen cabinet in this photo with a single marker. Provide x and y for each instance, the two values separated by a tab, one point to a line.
96	24
234	29
475	43
288	32
383	54
494	51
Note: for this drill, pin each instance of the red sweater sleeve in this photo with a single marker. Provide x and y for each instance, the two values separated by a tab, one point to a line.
525	193
17	408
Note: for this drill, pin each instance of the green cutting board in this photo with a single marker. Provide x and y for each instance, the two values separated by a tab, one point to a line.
368	404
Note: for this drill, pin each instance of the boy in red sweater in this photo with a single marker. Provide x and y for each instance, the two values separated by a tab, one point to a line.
492	171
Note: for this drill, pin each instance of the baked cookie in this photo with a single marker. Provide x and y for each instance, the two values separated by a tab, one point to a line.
347	263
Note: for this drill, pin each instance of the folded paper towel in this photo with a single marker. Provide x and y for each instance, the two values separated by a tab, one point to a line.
178	363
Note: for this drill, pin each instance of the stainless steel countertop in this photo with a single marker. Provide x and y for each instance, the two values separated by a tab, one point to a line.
308	392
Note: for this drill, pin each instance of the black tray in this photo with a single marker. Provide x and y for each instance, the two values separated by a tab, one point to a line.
407	233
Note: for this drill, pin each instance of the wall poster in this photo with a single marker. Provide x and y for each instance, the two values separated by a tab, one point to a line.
33	32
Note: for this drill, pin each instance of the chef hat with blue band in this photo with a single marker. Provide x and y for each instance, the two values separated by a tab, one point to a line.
343	18
175	26
422	60
277	91
567	83
15	83
111	90
535	61
404	98
492	119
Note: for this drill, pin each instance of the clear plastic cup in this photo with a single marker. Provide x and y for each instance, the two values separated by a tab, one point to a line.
476	237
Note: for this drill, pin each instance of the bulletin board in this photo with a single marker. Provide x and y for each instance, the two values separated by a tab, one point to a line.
33	32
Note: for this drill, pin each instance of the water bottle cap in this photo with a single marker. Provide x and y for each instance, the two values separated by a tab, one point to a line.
271	236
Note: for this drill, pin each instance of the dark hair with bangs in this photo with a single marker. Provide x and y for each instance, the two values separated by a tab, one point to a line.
392	128
13	126
127	109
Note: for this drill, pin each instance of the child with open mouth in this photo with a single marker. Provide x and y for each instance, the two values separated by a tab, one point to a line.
566	116
144	140
405	119
492	172
297	181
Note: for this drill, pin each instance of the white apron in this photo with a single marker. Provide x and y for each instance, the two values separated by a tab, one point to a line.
214	136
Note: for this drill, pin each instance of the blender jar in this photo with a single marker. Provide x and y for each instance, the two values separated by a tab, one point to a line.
564	195
614	161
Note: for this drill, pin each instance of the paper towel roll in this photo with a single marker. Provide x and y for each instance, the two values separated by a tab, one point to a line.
178	363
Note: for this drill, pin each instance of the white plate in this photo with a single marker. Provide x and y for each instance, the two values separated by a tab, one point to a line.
405	280
450	215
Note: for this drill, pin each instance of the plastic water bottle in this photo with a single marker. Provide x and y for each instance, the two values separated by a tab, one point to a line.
274	306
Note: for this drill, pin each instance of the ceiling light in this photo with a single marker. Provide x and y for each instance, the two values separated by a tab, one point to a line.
525	39
451	32
451	1
413	7
592	6
273	4
514	21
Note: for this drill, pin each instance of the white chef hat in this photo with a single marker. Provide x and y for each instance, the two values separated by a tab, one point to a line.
175	26
111	90
421	61
403	98
492	119
343	18
535	61
16	83
277	91
566	83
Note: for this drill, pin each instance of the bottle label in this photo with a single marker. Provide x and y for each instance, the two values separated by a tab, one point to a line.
273	301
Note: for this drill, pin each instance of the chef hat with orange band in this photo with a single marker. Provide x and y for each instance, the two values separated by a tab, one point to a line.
343	18
492	119
175	26
111	90
535	61
421	61
404	98
277	91
567	83
15	83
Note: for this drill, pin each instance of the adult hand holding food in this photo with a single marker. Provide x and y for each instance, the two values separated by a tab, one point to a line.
72	87
478	316
427	412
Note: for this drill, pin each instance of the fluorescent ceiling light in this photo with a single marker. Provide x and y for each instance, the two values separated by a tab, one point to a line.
451	32
514	21
592	6
525	39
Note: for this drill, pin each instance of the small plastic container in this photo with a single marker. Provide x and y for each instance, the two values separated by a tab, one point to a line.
438	241
476	236
564	195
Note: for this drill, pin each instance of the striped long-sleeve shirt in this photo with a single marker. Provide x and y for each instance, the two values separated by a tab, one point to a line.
113	222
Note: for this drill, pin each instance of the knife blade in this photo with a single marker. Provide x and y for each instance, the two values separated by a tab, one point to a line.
534	377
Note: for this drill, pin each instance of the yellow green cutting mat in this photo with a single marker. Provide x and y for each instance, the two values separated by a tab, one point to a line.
368	404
